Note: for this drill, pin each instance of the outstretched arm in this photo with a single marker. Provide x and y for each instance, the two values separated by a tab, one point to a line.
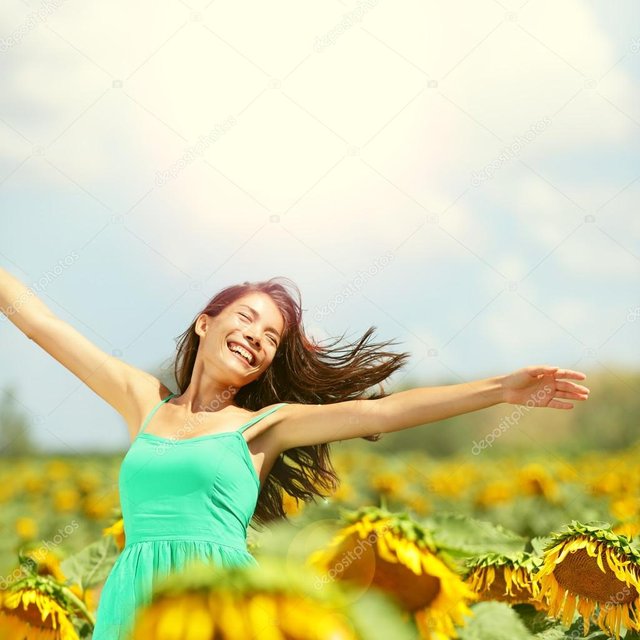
534	386
121	385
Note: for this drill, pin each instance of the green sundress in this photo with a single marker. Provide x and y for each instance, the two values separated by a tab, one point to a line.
182	500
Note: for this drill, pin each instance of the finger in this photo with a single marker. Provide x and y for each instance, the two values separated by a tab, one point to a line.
556	404
570	373
572	396
571	386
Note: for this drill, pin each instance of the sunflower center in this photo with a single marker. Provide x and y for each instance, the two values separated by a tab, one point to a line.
498	591
32	616
578	573
357	561
414	592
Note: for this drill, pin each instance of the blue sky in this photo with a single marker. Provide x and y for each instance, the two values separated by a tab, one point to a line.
336	145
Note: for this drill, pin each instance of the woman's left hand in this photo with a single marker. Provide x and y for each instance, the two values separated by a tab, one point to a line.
541	386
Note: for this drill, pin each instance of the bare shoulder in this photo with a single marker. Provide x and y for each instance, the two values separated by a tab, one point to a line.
145	391
262	433
272	413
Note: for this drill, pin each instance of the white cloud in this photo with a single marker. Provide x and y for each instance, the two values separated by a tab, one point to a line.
287	149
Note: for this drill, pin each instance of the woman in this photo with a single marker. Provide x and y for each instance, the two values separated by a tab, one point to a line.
198	469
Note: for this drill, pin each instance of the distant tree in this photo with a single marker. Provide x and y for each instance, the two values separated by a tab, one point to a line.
15	436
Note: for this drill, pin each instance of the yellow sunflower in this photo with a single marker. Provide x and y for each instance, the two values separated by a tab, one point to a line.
66	499
344	493
229	603
494	493
47	563
34	614
99	504
26	528
507	578
535	479
452	480
418	503
117	531
291	504
628	528
38	606
388	483
588	569
57	469
625	507
399	557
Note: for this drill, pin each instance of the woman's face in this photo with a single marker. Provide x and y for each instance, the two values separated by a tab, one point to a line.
243	338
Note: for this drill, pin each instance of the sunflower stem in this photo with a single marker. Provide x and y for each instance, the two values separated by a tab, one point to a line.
80	605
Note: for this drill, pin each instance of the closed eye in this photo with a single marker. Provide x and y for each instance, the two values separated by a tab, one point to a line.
273	340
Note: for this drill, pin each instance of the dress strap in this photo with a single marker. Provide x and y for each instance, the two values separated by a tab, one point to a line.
150	415
262	415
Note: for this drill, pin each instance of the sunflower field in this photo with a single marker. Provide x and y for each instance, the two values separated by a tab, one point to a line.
409	546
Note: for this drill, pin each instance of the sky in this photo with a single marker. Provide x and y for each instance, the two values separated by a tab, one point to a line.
462	176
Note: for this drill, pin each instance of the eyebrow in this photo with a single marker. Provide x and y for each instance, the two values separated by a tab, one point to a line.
255	313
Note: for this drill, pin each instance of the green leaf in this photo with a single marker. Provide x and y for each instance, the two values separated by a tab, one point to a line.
545	628
576	629
375	616
83	628
91	565
494	621
536	621
459	532
554	632
539	543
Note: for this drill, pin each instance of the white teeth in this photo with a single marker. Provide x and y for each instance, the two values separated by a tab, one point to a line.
242	351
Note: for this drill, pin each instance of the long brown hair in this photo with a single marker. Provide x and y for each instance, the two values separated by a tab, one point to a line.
302	372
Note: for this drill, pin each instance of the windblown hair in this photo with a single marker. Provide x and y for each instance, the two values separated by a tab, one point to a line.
302	372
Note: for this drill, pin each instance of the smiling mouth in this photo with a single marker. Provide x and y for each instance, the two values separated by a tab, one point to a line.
237	355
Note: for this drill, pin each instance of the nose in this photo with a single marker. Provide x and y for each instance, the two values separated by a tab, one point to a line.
252	340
